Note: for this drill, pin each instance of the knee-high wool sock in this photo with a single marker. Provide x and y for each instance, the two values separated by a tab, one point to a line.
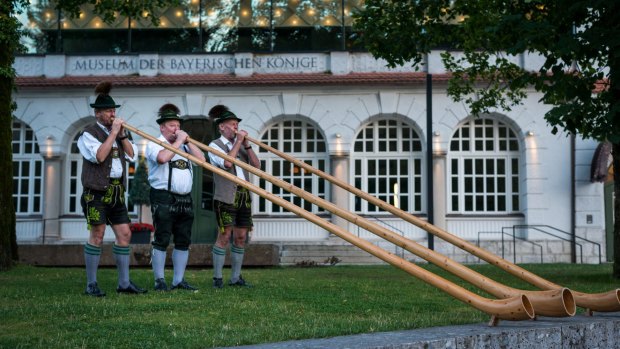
179	262
121	255
92	255
236	259
159	263
219	255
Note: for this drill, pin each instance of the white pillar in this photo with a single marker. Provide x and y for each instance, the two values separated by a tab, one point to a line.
52	199
439	190
340	196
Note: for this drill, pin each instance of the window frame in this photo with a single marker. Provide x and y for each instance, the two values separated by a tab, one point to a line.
28	154
400	143
483	169
281	135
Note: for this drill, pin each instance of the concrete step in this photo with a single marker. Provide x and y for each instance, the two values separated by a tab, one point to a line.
325	254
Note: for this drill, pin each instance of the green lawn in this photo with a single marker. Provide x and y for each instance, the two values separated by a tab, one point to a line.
45	307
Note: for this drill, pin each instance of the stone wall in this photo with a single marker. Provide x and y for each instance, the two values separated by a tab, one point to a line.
200	255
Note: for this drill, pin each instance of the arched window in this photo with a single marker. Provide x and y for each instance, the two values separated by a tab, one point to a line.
74	181
27	171
484	168
387	163
304	142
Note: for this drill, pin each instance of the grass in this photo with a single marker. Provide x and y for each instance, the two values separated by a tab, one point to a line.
45	308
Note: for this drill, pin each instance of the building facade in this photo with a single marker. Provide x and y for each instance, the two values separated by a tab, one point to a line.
393	133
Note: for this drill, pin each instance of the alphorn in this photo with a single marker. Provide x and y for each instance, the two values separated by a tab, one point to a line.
555	303
601	302
514	308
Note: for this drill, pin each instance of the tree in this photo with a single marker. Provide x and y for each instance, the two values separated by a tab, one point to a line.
579	41
9	40
140	187
10	33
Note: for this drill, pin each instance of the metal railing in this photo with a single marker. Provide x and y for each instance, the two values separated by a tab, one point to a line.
391	227
537	227
514	245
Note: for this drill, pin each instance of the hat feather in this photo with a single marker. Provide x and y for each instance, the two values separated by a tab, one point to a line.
169	107
217	111
103	88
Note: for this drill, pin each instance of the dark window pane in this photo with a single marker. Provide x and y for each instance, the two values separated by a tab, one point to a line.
501	185
515	166
479	185
417	146
468	167
501	203
404	185
372	167
383	185
358	146
479	203
454	145
382	167
501	166
372	187
490	185
469	185
479	167
469	203
276	168
490	163
514	145
490	203
515	202
478	144
23	204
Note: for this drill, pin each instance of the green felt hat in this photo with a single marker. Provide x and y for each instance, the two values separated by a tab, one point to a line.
104	101
227	115
168	112
221	113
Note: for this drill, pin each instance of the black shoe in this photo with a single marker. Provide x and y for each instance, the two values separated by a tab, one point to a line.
218	283
239	282
93	290
132	288
160	285
183	285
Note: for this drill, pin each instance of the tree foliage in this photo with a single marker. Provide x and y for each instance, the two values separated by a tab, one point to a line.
109	9
486	39
9	41
579	42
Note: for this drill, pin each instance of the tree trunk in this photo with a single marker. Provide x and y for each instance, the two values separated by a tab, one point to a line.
8	242
616	235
